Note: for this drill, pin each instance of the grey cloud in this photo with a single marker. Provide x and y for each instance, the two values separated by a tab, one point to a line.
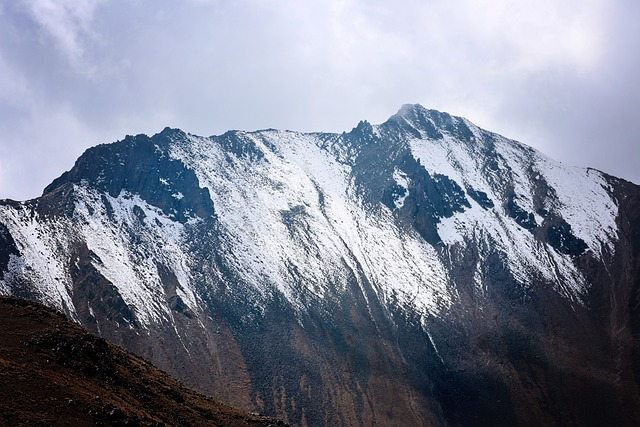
558	75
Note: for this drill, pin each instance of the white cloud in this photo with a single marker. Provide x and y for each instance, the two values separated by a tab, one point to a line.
544	72
531	36
69	24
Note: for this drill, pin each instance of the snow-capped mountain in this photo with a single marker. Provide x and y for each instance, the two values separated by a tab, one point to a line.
421	271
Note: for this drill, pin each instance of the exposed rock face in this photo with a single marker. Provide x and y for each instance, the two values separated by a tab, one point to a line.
421	271
141	165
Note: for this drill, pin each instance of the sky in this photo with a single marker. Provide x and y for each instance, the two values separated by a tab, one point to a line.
562	76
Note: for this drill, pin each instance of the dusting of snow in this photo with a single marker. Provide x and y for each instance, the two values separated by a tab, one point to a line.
297	207
403	181
584	202
132	267
579	196
39	262
290	220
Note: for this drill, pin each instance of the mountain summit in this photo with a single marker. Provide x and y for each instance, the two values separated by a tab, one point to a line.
422	271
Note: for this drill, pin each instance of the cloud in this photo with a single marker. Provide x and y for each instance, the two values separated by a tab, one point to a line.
559	75
69	24
533	36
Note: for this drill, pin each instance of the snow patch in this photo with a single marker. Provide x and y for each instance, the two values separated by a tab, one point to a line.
403	181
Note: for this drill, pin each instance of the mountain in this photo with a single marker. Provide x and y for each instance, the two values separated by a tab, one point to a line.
53	373
422	271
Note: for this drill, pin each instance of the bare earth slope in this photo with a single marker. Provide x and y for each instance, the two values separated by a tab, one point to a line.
53	373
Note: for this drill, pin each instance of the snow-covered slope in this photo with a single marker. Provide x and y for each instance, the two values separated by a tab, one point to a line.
291	217
422	226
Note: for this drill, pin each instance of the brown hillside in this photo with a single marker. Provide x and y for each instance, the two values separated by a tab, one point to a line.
53	373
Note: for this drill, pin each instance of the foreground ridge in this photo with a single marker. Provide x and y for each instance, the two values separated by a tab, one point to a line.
54	373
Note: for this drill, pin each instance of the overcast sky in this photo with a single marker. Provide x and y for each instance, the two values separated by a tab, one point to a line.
562	76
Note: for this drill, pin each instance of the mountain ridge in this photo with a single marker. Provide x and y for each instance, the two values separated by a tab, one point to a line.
423	257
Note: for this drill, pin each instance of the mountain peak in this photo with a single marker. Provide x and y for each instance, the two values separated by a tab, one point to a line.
422	258
414	114
170	133
431	124
409	109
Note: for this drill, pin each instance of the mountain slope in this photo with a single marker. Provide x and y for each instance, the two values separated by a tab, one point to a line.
315	275
53	373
